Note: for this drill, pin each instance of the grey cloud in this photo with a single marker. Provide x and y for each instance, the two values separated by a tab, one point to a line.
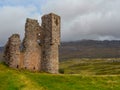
81	19
87	19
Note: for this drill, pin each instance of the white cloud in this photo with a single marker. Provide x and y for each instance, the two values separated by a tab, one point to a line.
12	20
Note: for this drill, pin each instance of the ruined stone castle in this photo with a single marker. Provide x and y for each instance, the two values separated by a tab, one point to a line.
39	49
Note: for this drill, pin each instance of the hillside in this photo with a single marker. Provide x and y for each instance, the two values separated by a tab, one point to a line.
86	66
24	80
90	49
1	53
1	49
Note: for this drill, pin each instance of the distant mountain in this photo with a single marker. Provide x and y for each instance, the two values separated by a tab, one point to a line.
1	53
90	49
1	49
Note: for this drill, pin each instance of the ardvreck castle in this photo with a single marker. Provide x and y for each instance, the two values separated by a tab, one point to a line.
39	49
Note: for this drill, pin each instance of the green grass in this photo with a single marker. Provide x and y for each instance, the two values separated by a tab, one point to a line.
11	79
110	66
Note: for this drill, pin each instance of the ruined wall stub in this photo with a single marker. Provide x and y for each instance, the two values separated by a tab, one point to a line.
32	48
12	51
51	41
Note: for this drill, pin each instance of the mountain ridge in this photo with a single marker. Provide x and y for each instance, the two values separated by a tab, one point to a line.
88	49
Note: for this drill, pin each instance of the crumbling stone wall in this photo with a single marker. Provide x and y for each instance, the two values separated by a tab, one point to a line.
40	46
12	51
31	44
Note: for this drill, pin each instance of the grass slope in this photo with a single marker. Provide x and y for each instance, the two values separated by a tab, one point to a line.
108	66
11	79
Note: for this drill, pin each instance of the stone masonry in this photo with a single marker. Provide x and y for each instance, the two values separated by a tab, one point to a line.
12	51
51	40
31	47
39	49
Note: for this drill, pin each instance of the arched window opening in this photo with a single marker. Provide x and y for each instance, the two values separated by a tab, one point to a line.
56	22
38	40
17	66
33	68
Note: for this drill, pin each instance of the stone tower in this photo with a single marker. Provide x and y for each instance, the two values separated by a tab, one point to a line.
51	42
39	50
31	46
12	51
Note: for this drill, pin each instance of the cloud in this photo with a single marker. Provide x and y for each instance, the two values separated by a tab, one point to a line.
87	19
12	20
81	19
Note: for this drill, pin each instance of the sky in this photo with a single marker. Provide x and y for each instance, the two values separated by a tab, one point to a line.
80	19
